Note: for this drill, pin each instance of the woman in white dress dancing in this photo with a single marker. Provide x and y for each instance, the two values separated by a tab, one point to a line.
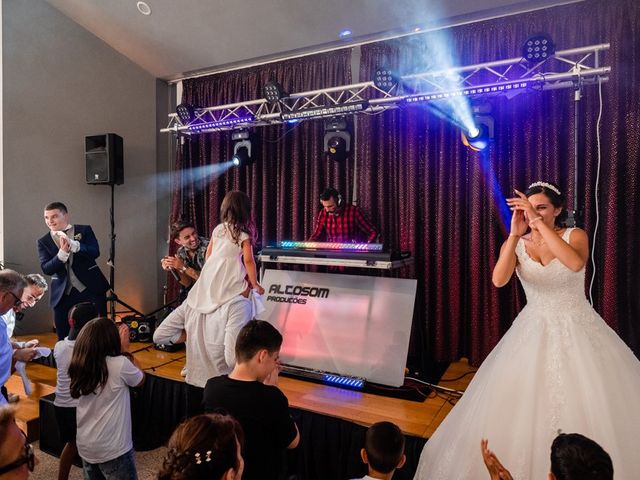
559	366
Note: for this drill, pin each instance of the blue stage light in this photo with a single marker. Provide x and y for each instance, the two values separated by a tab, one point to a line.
345	33
477	139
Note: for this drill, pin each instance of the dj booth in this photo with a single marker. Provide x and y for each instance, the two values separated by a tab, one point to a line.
339	328
361	255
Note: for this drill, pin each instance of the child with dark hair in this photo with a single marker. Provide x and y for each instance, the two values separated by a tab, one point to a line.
573	457
383	451
230	269
101	373
576	457
250	395
64	405
204	447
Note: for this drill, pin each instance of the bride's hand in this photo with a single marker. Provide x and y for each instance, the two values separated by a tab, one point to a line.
521	202
518	223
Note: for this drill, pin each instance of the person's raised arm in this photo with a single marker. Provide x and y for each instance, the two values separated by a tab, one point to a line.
250	266
49	264
507	260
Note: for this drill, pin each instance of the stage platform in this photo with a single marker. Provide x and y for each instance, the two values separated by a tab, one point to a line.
320	410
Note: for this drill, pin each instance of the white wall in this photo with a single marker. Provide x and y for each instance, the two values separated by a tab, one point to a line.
62	83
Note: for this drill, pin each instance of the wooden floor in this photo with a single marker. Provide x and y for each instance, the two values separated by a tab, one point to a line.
419	419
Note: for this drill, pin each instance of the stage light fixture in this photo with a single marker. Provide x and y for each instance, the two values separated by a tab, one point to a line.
241	153
538	48
337	139
186	113
481	135
273	92
242	148
385	79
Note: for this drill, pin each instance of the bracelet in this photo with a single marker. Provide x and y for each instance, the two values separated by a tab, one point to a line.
184	269
535	220
514	235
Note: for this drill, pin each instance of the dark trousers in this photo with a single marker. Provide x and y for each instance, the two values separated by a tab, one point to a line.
61	310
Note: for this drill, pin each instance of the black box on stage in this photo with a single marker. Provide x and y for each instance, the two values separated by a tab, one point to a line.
170	347
140	328
104	158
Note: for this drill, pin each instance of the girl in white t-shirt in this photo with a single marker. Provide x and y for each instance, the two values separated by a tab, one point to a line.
230	269
101	373
64	405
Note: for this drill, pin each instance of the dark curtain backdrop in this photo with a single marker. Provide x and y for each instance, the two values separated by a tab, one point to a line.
432	196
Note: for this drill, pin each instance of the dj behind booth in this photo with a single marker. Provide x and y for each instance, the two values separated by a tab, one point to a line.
340	222
340	328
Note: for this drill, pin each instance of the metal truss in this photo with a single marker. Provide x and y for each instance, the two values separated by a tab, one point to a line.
572	68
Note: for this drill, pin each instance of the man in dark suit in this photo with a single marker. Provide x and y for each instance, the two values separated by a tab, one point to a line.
68	254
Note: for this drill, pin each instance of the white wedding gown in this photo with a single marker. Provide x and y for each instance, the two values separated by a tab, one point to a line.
559	367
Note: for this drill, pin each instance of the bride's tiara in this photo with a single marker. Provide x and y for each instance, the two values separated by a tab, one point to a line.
546	185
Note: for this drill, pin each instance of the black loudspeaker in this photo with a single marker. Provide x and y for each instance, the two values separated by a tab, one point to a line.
103	154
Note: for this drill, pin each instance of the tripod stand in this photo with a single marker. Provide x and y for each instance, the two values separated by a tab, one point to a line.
112	297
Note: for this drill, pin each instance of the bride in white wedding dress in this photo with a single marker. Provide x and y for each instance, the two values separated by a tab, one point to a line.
559	366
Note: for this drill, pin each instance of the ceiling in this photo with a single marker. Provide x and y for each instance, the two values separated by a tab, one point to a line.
181	37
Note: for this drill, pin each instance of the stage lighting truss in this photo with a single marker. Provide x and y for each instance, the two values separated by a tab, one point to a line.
573	68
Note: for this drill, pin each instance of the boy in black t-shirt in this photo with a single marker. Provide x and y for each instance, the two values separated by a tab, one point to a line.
249	394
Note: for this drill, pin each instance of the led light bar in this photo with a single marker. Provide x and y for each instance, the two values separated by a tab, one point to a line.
360	247
342	381
220	123
489	89
320	112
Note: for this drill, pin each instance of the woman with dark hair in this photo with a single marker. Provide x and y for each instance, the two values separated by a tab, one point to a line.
101	372
230	269
204	447
559	366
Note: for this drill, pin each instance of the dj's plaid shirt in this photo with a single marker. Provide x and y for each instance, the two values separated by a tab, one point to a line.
348	226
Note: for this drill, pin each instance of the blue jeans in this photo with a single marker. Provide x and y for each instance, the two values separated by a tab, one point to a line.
121	468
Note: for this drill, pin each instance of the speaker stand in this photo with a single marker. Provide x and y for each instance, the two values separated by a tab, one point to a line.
113	298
